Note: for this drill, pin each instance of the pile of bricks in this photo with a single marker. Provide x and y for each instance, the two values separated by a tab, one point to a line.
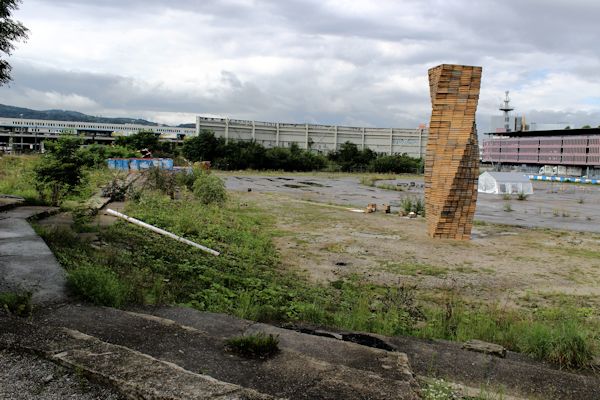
452	158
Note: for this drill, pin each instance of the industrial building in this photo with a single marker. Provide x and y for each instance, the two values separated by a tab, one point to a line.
27	134
554	152
322	138
572	152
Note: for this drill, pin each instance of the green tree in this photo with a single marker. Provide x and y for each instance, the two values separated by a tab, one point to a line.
10	31
61	168
586	127
203	147
144	139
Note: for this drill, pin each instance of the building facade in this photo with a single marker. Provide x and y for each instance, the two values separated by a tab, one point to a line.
567	147
28	134
322	138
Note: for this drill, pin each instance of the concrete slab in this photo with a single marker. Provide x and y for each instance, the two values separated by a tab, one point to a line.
292	373
135	375
26	262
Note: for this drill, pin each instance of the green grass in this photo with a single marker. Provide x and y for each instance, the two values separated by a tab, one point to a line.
413	269
259	345
17	178
98	285
16	303
562	335
129	265
245	280
371	180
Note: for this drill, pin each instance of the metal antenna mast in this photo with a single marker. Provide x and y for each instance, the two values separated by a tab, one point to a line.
506	108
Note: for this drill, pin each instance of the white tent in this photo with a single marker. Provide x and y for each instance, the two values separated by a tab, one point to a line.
504	182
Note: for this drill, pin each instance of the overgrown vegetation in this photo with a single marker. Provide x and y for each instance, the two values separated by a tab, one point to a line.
98	285
210	189
236	155
66	172
16	303
413	204
565	336
259	345
127	264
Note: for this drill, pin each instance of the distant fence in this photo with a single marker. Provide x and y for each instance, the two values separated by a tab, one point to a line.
322	138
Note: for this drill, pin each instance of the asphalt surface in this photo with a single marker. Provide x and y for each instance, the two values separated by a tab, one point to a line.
26	262
552	205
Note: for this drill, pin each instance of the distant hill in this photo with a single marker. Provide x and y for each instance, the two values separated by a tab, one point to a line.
65	115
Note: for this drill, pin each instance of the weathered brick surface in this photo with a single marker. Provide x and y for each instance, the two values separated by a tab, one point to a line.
451	162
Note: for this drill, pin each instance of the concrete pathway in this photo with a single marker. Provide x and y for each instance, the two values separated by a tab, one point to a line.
26	262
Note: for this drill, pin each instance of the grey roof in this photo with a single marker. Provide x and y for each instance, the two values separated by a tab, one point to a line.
508	176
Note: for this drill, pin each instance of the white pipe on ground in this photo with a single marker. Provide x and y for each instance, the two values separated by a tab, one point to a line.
161	231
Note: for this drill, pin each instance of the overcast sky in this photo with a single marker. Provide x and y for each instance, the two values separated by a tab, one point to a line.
324	61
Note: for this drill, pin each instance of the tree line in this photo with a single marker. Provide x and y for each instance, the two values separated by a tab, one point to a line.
236	155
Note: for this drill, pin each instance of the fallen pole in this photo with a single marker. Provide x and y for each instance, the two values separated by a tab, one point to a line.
161	231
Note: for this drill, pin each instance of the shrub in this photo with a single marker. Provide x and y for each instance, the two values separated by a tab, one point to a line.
259	345
16	303
161	180
98	285
60	170
210	189
522	196
395	163
95	155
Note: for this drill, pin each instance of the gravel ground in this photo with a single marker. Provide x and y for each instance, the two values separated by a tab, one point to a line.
24	376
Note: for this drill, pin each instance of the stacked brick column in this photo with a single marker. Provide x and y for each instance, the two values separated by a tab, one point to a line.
452	158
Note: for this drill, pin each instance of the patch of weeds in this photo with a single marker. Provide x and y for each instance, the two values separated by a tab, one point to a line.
566	344
413	269
580	200
210	189
334	248
466	269
98	285
259	345
438	389
370	180
413	204
389	186
557	335
522	196
18	304
508	207
506	196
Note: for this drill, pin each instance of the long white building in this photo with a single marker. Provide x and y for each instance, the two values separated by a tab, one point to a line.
28	134
323	138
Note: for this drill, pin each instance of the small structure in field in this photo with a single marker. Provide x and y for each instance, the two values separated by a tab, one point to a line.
504	183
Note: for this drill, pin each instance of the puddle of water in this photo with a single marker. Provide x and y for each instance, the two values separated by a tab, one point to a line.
291	185
312	184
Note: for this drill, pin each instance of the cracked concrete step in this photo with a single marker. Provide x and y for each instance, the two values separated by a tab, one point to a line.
135	375
517	374
307	367
390	365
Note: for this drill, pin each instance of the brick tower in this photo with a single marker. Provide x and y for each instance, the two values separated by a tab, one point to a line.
452	158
